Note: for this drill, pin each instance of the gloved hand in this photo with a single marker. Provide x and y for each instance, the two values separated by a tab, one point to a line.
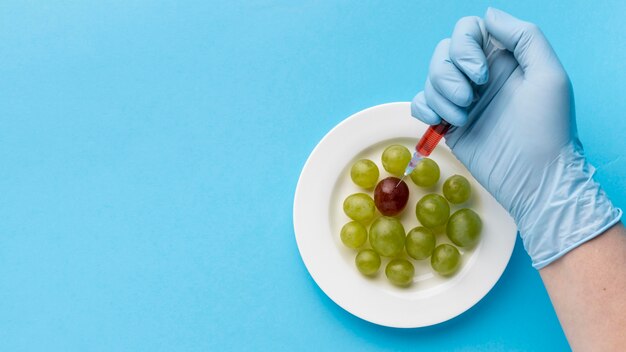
515	130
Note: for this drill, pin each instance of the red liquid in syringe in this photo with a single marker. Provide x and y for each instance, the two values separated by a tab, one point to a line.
431	138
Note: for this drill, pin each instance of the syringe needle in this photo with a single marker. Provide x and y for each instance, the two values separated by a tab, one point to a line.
399	182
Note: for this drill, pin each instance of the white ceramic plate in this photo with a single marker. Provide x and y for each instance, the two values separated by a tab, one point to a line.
318	218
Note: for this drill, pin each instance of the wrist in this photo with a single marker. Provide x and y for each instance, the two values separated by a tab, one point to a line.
568	209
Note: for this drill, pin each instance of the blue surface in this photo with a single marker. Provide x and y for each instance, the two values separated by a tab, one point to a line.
127	221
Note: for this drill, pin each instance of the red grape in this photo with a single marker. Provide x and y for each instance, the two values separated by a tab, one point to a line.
389	199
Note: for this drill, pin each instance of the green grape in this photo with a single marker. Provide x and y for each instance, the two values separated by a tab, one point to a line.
420	243
464	228
457	189
426	173
395	159
367	261
364	173
387	236
432	210
400	272
359	207
445	259
353	234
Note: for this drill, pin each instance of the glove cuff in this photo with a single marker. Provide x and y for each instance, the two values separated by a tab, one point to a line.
574	209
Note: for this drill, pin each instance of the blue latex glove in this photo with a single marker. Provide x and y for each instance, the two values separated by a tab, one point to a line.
516	131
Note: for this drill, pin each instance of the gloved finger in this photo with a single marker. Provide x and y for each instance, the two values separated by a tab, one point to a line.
466	49
528	44
446	77
421	111
454	114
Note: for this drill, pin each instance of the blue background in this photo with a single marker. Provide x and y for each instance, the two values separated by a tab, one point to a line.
149	152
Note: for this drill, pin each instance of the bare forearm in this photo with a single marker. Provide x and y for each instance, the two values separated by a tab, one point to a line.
588	290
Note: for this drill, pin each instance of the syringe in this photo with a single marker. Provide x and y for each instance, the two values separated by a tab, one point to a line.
426	145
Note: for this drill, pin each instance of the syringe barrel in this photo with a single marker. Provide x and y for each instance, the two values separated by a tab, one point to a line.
431	138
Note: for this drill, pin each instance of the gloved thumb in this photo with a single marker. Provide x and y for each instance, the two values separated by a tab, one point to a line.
528	44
